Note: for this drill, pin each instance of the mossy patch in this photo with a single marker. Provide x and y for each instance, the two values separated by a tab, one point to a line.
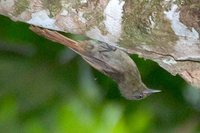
20	6
54	6
144	22
95	18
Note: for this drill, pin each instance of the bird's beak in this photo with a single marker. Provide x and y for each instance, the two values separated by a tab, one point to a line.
150	91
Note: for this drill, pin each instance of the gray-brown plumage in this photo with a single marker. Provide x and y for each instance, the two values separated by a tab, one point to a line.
108	59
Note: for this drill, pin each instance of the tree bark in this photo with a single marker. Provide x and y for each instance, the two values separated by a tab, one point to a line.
165	31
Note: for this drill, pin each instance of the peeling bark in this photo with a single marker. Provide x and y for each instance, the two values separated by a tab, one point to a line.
165	31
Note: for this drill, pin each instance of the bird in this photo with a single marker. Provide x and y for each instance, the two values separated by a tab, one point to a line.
108	59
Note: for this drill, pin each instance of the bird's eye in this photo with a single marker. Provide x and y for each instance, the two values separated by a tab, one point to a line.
139	96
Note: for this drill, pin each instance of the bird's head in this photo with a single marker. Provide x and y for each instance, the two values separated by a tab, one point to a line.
140	94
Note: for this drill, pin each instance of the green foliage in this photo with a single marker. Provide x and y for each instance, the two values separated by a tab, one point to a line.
46	88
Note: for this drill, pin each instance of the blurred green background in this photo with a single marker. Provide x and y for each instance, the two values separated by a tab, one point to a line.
47	88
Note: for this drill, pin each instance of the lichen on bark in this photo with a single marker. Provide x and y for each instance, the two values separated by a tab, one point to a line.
20	7
54	7
165	31
144	23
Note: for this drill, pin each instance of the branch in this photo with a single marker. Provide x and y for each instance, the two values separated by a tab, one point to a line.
166	32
